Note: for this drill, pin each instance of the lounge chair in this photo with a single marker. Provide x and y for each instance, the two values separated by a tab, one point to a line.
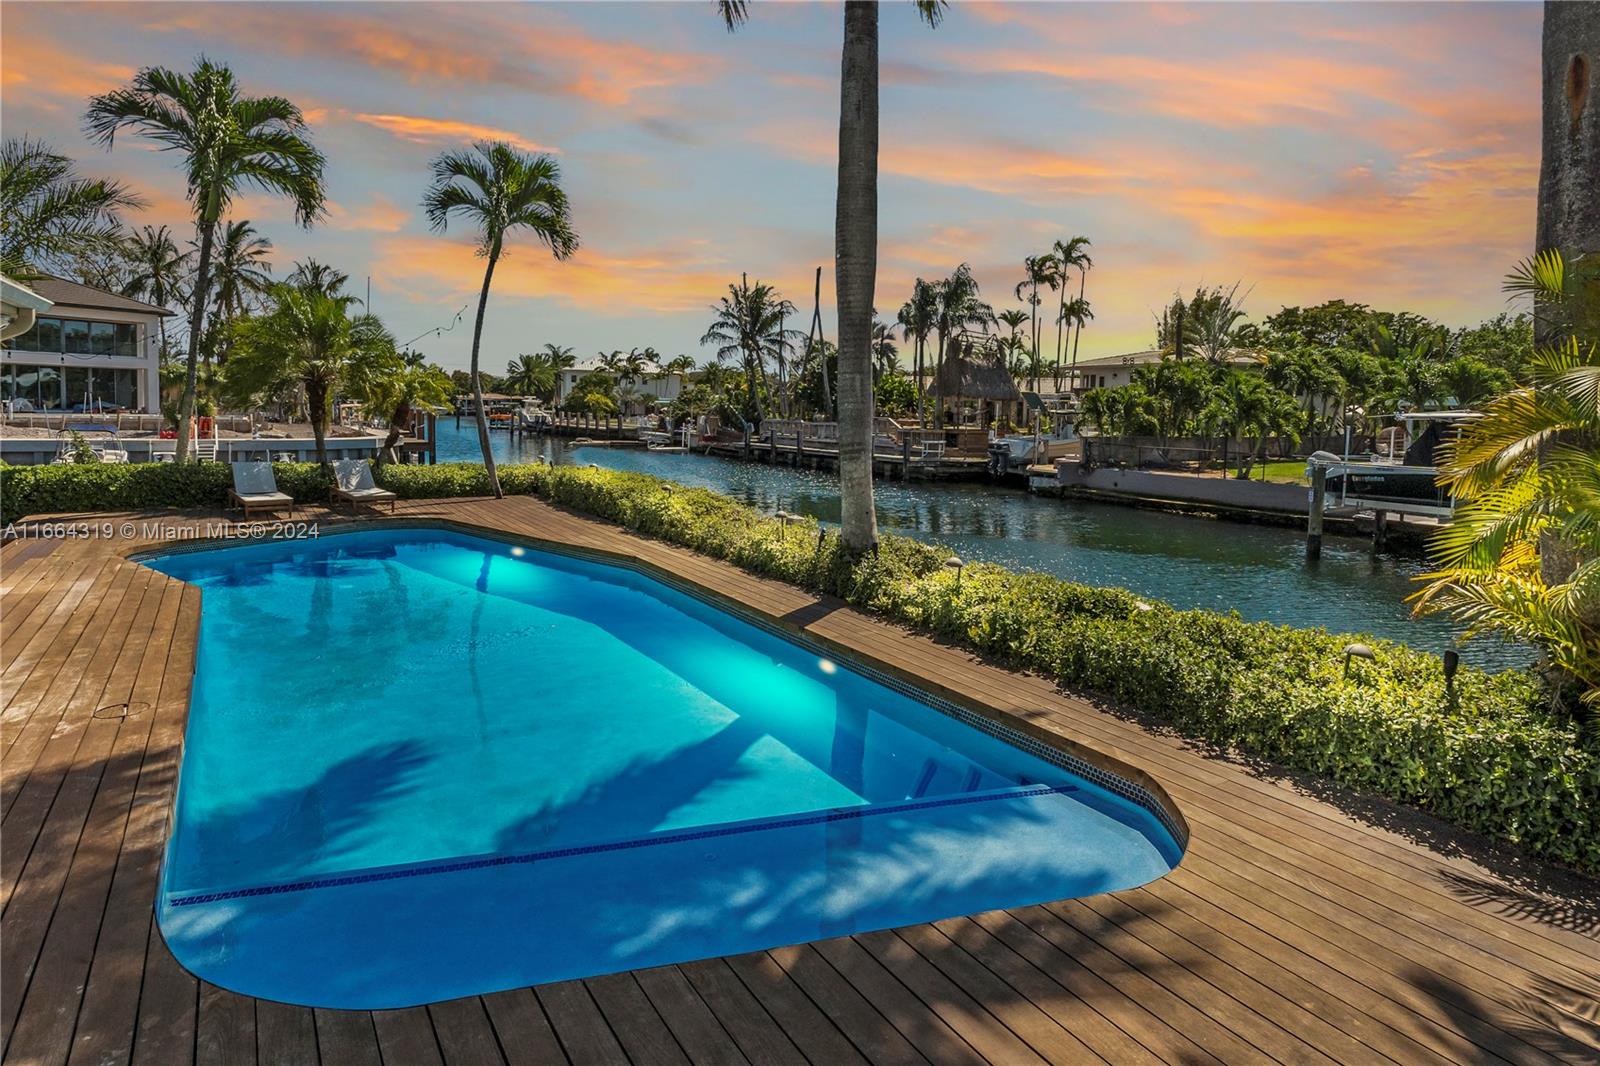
255	489
352	481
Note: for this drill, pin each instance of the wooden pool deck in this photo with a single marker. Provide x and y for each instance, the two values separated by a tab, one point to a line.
1305	925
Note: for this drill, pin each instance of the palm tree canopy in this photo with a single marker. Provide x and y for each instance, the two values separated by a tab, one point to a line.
735	13
48	215
499	188
958	304
309	273
228	140
310	338
241	271
155	266
749	323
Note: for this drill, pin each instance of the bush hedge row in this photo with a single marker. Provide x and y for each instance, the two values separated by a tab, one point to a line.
1488	756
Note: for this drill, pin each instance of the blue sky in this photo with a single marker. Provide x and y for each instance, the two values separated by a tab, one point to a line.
1381	153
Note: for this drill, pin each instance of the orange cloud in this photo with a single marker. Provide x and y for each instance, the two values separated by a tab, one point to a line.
34	70
666	281
420	130
381	215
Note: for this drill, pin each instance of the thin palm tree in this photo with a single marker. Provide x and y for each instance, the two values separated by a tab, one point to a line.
241	275
885	356
530	375
1037	270
227	141
1069	255
1074	313
50	217
155	270
855	242
499	189
916	318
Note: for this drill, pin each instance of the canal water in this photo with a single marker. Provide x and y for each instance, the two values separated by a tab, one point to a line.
1259	571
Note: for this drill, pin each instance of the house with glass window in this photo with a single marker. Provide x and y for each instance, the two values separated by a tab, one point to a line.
88	350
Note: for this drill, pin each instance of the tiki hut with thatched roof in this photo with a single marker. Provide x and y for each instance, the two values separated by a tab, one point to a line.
968	373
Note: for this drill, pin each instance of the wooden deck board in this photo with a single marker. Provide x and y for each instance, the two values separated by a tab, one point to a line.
1295	931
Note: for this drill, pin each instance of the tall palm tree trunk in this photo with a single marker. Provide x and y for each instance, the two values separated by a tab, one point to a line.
922	388
1060	311
1033	311
477	382
202	281
1077	331
1569	171
317	402
855	270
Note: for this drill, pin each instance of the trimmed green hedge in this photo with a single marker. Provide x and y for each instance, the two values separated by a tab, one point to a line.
1491	758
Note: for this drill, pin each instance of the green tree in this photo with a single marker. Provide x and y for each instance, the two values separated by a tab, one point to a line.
156	270
885	355
49	217
749	324
308	338
1521	556
396	393
957	306
1071	254
499	189
241	275
227	141
916	318
1075	313
309	273
530	375
855	253
1038	270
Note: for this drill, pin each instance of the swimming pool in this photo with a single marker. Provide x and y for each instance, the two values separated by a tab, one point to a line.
421	764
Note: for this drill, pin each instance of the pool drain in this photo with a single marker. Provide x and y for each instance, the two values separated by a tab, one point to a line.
125	709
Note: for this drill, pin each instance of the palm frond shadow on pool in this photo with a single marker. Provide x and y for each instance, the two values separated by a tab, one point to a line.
290	832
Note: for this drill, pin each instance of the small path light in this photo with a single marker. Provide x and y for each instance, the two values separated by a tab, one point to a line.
955	563
1452	661
783	524
1356	651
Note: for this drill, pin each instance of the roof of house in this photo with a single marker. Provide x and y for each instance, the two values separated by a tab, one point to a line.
19	295
972	379
591	366
1237	357
71	294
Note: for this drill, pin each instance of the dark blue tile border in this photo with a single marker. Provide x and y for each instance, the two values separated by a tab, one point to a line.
835	814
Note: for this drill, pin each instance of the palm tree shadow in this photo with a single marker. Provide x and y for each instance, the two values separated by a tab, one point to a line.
637	799
290	832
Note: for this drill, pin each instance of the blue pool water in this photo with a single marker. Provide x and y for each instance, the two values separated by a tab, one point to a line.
421	765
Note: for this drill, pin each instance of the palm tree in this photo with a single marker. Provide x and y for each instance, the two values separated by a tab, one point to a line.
1075	312
1069	255
227	141
530	375
1522	554
1038	270
916	318
855	254
395	394
499	188
156	270
957	306
1211	320
749	324
241	275
885	356
309	338
50	217
310	274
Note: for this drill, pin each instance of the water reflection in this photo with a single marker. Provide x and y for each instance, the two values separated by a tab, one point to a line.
1259	571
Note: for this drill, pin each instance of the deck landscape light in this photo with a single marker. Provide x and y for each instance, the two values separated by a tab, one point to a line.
1356	651
955	563
783	523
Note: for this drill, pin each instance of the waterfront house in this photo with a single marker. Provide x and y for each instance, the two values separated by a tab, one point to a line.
1110	371
85	349
652	385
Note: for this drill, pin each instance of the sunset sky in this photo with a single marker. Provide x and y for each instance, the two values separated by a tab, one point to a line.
1380	153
